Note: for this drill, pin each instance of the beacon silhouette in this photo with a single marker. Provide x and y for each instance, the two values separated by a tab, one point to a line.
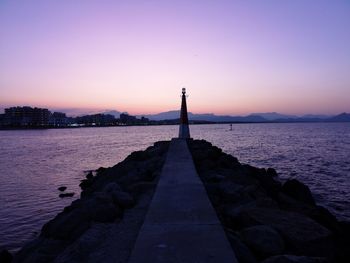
184	130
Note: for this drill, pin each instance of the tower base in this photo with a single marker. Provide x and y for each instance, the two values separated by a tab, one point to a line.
184	131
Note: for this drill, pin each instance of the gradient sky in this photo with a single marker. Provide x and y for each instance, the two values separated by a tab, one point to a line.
234	57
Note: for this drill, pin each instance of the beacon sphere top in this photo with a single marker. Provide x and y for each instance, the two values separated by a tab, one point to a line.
183	90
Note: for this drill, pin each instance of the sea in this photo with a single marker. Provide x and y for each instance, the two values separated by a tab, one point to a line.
34	163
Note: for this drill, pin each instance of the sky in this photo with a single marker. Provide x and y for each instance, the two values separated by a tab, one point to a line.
234	57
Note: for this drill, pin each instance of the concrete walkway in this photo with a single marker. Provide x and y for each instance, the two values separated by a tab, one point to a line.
181	224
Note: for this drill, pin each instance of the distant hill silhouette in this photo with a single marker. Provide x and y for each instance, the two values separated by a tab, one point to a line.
274	116
343	117
115	113
315	116
255	117
205	117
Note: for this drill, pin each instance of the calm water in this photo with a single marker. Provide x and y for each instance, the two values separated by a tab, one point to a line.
34	163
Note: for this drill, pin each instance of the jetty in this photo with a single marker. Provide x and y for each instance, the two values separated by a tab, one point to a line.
181	225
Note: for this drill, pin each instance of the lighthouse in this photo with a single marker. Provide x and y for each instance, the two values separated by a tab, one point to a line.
184	130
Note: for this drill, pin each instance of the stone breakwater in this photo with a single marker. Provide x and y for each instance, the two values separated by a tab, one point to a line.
265	220
101	226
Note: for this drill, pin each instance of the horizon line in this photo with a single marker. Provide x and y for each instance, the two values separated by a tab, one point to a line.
90	111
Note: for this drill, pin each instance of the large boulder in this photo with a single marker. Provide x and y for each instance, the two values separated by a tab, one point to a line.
235	216
67	226
112	187
123	199
271	186
271	172
242	252
101	208
239	175
72	222
209	176
298	191
303	235
62	188
230	191
264	240
228	161
318	213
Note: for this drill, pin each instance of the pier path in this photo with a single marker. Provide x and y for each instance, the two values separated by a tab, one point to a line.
181	225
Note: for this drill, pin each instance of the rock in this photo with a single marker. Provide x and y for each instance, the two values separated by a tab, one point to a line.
89	175
262	239
301	234
101	208
235	217
123	199
119	197
101	170
63	195
104	213
270	185
230	191
137	156
298	191
271	172
212	176
141	188
71	223
67	226
214	153
5	256
112	187
227	161
242	252
318	213
294	259
62	188
86	183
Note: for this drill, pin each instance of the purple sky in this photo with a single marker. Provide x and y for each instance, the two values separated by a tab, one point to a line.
234	57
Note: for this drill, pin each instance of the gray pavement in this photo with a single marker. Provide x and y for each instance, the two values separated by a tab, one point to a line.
181	225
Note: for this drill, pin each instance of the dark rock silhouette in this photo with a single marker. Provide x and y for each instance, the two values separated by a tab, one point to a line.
80	229
298	191
89	175
243	254
62	188
63	195
264	240
247	197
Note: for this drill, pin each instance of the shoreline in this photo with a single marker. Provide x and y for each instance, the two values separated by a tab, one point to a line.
241	195
163	124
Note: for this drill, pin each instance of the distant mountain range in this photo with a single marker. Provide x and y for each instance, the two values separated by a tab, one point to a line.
254	117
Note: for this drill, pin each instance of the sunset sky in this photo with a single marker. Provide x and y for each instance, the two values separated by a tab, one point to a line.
234	57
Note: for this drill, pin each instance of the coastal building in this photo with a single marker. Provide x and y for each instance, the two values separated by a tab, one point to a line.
184	130
26	116
127	119
96	120
59	119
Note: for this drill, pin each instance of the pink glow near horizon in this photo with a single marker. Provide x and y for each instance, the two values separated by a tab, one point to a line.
234	57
